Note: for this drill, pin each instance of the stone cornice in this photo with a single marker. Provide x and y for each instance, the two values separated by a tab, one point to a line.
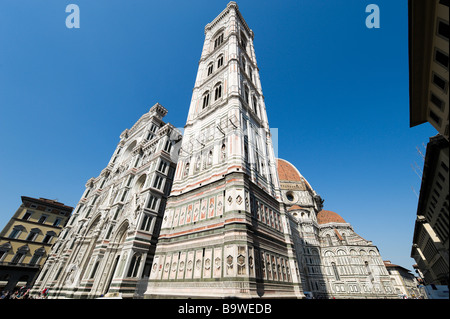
159	109
165	130
231	6
150	143
157	112
221	15
323	227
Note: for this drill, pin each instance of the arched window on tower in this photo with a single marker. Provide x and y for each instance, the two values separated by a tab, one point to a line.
243	41
220	61
210	68
205	100
218	40
257	162
246	94
218	91
245	150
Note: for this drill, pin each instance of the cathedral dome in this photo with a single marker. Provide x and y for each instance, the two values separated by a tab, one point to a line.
290	177
294	207
287	171
326	216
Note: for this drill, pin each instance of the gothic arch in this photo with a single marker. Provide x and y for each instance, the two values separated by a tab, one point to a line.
205	99
219	31
220	60
129	150
218	91
213	40
117	240
91	226
139	183
121	233
372	252
341	252
89	246
210	68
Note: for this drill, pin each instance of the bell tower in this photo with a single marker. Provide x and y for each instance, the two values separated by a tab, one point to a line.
224	231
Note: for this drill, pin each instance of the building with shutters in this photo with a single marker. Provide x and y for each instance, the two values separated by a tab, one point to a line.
26	240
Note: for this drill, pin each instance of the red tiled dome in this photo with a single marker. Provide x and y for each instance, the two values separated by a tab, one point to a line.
287	171
294	207
326	216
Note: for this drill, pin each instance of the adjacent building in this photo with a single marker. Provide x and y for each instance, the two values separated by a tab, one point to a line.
429	63
428	90
430	239
405	284
108	245
27	238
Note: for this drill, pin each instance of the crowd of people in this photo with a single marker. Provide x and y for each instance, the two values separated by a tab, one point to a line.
23	293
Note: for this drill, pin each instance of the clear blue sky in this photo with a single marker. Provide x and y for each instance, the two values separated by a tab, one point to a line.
336	91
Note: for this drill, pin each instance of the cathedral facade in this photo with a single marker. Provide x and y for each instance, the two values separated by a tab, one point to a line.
212	213
108	244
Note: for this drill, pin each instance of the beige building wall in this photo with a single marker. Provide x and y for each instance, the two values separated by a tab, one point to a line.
27	238
404	282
